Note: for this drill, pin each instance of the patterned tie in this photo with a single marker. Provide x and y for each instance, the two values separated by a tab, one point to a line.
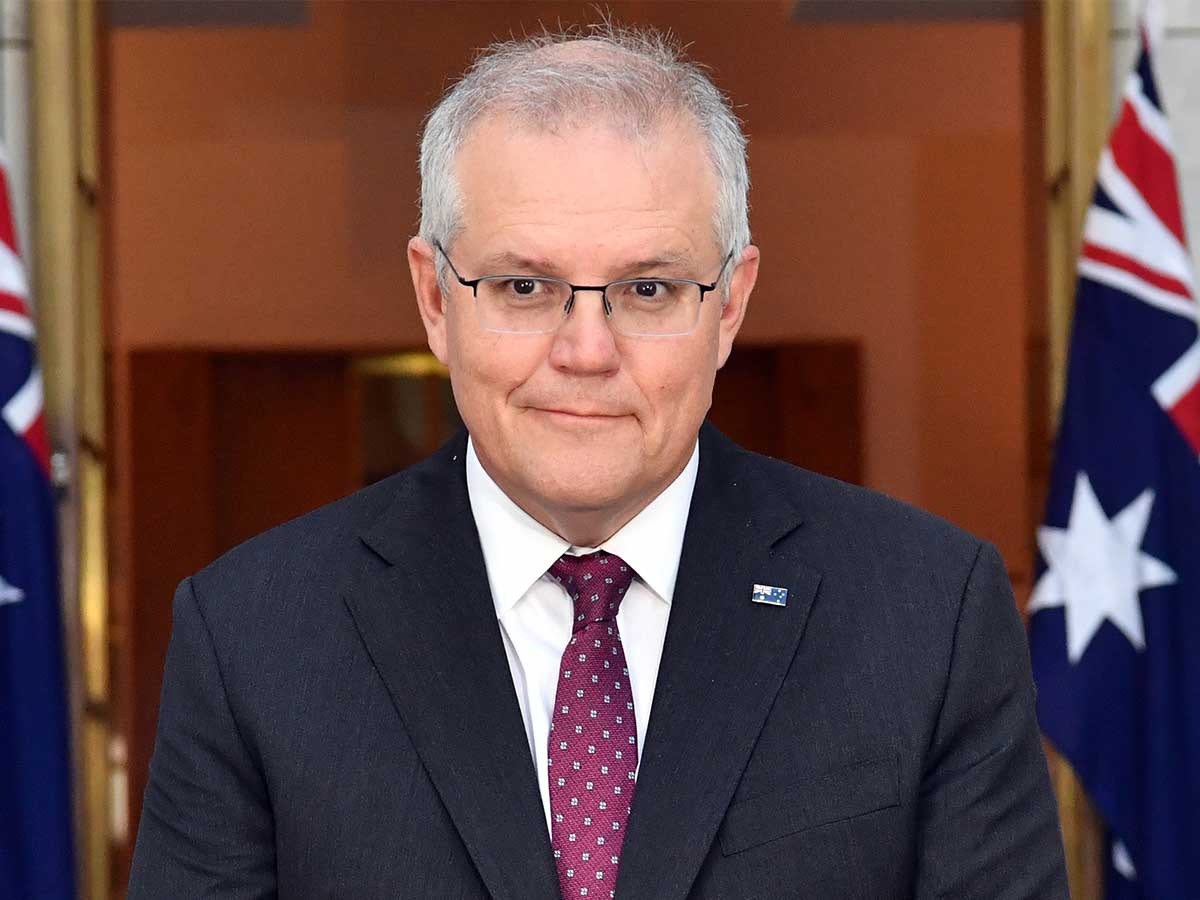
592	756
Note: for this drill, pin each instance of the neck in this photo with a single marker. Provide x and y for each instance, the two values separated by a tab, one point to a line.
587	529
581	527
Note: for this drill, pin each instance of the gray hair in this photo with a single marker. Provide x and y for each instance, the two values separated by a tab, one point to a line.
635	78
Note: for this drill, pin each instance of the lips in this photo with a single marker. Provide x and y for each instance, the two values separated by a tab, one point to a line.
582	415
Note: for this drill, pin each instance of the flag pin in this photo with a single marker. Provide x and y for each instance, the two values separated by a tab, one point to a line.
769	594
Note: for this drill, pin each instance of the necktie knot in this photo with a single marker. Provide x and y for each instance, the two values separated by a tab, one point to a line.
597	583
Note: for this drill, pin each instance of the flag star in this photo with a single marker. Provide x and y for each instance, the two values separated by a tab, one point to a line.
10	593
1096	568
1122	861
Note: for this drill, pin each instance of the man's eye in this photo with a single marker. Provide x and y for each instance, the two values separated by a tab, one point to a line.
524	286
650	290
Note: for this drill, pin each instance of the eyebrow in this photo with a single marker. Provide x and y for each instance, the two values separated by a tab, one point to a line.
668	261
507	262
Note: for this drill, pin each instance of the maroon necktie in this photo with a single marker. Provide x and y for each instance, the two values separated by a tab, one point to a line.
592	756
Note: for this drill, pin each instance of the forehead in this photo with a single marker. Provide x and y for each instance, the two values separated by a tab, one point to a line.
586	188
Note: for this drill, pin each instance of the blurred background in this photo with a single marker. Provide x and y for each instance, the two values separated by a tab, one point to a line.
213	198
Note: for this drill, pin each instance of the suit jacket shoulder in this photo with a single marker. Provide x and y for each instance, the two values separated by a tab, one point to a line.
906	716
883	545
319	555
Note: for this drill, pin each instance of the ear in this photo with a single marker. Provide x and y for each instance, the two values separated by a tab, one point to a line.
745	274
422	264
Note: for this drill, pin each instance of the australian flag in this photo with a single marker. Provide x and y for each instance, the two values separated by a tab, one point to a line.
1115	612
36	858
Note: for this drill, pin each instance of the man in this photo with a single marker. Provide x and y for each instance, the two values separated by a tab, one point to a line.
595	649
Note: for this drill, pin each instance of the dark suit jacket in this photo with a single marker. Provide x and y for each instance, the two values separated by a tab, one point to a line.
338	718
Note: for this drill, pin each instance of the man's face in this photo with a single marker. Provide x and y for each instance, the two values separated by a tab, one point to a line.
583	421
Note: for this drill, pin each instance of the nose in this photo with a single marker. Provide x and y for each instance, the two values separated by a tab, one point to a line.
584	343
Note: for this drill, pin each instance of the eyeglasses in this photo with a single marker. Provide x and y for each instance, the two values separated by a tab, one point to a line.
637	307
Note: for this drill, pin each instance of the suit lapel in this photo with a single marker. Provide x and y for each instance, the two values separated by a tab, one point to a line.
428	622
723	662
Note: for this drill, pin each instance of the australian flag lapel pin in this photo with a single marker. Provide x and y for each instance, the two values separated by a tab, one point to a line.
769	594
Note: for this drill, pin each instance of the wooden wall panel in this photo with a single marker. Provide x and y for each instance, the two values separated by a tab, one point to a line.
797	402
286	439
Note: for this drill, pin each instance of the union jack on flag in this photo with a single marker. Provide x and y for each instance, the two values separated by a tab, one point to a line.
36	857
1115	612
23	410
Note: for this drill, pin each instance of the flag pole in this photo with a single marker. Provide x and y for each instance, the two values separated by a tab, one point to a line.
1077	66
64	252
1083	832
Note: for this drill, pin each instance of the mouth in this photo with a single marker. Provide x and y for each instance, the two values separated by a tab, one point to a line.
580	416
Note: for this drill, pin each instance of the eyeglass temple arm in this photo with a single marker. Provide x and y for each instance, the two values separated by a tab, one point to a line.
473	284
705	288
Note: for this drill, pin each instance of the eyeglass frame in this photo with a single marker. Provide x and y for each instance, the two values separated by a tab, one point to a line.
602	289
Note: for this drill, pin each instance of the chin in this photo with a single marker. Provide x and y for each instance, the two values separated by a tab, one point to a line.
583	485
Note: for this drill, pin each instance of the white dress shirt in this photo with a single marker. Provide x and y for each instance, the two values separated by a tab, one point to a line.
536	613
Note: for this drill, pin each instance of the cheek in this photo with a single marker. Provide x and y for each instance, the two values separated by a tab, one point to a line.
678	384
486	368
472	377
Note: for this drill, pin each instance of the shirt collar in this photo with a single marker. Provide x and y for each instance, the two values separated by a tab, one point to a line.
518	550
